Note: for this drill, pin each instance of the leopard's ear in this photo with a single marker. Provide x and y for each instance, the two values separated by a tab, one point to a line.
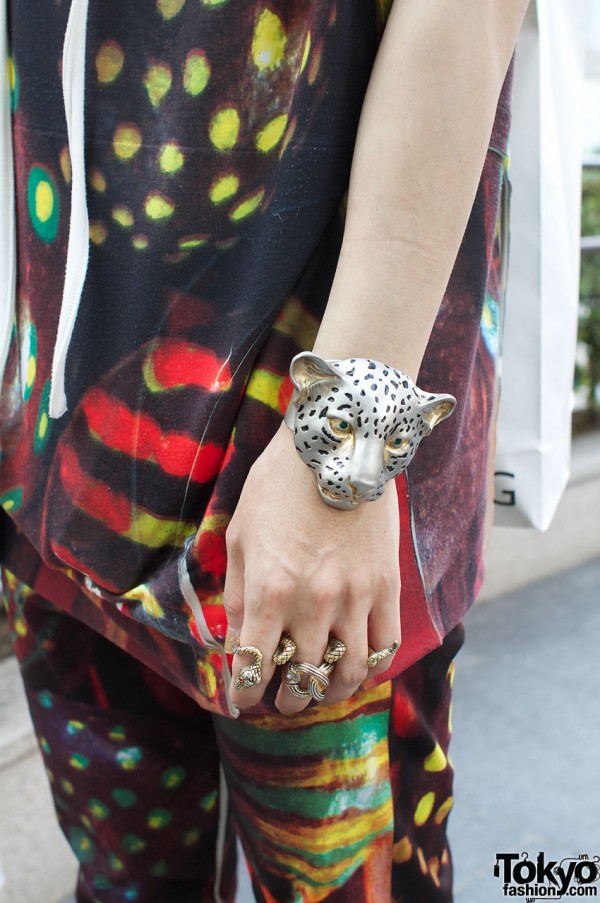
436	408
308	368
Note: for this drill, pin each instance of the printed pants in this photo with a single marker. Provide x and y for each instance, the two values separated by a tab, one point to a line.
342	803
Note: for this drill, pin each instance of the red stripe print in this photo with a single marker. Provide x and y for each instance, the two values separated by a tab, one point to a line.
285	394
92	496
176	363
139	436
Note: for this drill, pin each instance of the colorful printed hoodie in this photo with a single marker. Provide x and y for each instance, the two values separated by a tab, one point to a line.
190	185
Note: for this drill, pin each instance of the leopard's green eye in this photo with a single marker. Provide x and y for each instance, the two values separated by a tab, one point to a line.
399	444
339	427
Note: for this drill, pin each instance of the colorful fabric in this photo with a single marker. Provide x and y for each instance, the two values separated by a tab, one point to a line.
219	137
342	803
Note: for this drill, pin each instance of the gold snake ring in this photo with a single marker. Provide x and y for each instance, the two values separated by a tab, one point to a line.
376	657
286	649
249	675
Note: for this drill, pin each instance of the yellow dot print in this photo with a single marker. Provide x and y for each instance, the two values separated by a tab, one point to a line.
213	2
140	242
305	53
434	870
98	233
402	851
158	207
224	188
270	136
424	807
20	625
123	216
44	201
170	158
288	137
443	811
65	164
12	74
268	42
168	9
315	64
451	673
127	140
246	207
436	760
224	129
196	72
109	62
191	242
158	82
30	372
97	180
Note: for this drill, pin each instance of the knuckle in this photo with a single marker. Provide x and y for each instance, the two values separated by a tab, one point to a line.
350	677
269	584
327	593
233	605
232	537
278	589
388	583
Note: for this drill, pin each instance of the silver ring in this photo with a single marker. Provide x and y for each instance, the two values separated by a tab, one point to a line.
318	680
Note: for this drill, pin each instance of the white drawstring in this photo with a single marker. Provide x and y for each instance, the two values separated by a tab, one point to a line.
8	266
73	79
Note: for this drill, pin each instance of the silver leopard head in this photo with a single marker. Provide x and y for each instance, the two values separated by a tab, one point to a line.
358	423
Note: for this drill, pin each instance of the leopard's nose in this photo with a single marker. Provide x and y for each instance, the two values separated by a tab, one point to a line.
363	487
367	465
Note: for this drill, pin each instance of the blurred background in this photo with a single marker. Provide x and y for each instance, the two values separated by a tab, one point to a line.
527	694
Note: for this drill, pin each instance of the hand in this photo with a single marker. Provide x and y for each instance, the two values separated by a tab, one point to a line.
298	565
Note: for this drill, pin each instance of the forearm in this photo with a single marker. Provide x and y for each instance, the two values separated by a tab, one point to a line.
421	145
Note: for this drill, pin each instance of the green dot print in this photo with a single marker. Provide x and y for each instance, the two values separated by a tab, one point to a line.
133	844
43	203
29	361
98	809
159	818
172	777
129	758
13	79
13	499
79	761
123	797
82	844
42	426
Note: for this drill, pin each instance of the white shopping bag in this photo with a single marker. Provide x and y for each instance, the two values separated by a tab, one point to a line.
538	353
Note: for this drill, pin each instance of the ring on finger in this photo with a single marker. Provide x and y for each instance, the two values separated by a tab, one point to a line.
318	680
249	675
286	649
335	650
376	657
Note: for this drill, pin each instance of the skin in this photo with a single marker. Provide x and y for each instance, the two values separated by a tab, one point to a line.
294	563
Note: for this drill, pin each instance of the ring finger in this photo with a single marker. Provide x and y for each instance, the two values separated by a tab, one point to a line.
309	657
